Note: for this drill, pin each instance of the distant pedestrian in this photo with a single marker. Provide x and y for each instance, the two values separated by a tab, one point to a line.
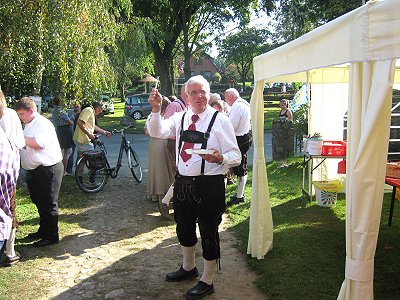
160	175
285	112
74	117
63	125
240	118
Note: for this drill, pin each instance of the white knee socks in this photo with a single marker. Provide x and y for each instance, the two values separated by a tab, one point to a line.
10	251
241	183
189	257
209	270
168	196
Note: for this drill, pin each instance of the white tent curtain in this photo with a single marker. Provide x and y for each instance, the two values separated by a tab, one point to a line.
326	117
370	98
261	227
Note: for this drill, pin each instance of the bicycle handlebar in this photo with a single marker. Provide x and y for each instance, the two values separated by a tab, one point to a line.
96	140
122	129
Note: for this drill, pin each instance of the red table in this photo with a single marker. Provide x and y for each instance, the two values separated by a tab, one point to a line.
395	183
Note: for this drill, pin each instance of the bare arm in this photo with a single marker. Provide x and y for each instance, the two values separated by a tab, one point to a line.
82	126
31	142
289	115
102	131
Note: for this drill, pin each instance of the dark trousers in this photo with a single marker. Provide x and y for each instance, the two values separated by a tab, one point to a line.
244	143
44	185
201	199
70	163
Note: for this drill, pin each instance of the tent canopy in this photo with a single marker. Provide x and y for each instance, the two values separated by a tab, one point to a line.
368	33
359	48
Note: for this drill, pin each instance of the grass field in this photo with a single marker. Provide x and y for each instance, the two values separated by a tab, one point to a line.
308	256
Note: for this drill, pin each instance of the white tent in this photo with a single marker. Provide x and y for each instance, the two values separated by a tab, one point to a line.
359	48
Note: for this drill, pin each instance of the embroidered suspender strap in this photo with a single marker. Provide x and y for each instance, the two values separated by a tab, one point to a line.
206	136
180	136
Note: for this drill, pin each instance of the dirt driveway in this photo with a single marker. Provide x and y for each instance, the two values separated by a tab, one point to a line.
124	250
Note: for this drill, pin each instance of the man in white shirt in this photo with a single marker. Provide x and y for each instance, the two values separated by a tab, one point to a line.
42	159
240	117
199	193
11	125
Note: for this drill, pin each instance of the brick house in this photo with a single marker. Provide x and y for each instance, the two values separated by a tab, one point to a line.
203	66
199	66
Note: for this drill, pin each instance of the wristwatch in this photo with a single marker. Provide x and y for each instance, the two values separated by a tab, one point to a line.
221	161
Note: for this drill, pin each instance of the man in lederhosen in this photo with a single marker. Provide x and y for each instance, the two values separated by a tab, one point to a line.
240	118
199	192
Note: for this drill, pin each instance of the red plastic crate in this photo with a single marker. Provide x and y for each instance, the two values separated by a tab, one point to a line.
334	148
393	169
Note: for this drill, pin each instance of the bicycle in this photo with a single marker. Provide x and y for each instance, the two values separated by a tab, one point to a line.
93	169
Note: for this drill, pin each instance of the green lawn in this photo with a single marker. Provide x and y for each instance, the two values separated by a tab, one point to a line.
113	121
308	256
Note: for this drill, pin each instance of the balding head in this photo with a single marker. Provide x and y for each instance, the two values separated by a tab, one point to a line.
231	95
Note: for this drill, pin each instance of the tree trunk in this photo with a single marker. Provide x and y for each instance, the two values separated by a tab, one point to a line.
163	63
121	87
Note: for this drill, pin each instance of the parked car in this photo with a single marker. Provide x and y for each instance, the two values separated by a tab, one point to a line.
108	104
137	106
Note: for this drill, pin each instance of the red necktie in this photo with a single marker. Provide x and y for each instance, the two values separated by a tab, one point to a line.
186	145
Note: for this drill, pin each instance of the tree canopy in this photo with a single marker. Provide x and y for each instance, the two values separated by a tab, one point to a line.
297	17
59	45
241	47
167	20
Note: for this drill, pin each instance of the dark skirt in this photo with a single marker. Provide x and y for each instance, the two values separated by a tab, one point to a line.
64	134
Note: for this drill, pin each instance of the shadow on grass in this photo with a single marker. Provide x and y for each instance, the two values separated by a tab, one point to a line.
309	249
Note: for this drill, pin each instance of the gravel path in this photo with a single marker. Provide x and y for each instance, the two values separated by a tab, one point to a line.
124	250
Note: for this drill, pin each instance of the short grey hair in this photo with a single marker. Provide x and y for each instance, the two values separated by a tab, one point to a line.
200	80
215	96
233	91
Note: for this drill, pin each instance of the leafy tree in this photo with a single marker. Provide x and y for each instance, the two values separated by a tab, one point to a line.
21	33
167	20
240	48
297	17
130	56
59	41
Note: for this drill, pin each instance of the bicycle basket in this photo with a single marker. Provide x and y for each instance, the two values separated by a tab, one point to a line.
94	159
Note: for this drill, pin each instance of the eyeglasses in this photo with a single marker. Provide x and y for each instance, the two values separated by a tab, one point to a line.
196	93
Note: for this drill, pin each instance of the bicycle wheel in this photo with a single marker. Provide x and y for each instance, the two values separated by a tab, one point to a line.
89	181
134	165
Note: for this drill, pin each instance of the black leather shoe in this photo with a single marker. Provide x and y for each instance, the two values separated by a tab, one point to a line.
182	274
44	243
234	200
200	290
34	235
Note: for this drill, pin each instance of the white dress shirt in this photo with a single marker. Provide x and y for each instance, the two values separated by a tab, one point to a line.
45	135
222	138
240	117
